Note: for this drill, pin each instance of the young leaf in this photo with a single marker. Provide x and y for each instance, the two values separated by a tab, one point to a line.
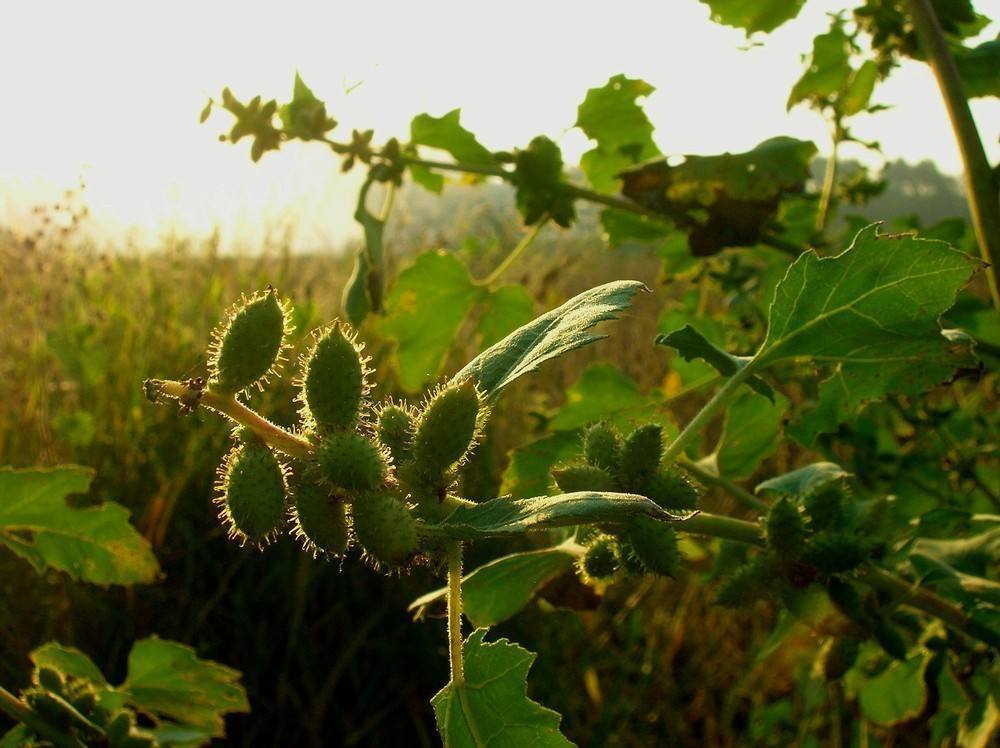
447	134
68	661
491	709
859	90
549	336
96	544
691	345
168	679
829	70
804	481
611	116
496	591
760	15
504	310
505	516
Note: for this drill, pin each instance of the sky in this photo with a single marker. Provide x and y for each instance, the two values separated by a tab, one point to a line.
111	92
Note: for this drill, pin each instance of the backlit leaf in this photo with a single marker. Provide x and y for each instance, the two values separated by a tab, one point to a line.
692	345
447	134
759	15
752	431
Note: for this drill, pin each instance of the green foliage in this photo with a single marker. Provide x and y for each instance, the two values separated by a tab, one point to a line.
248	344
764	15
95	544
503	517
185	697
574	478
492	700
785	530
602	446
255	119
394	426
640	457
829	70
305	117
623	135
980	69
804	481
654	544
447	134
898	694
600	562
253	494
319	518
692	345
537	177
753	430
551	335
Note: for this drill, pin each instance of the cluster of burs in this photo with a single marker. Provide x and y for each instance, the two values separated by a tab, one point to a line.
376	476
75	707
633	464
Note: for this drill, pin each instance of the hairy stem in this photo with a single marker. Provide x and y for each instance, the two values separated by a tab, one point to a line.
981	187
192	393
713	479
455	612
18	711
701	419
509	260
721	526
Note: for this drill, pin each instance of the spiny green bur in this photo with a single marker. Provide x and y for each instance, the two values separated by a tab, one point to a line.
640	457
574	478
248	346
320	519
253	494
385	529
446	428
785	530
672	490
395	432
601	560
654	544
348	460
747	583
825	508
602	446
834	552
333	383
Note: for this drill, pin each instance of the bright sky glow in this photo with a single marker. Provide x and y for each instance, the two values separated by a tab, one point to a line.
112	91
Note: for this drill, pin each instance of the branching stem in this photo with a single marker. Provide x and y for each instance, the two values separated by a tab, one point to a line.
509	260
20	712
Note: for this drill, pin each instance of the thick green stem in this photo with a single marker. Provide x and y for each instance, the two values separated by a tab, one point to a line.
455	612
712	479
829	181
192	392
980	185
20	712
720	526
509	260
701	419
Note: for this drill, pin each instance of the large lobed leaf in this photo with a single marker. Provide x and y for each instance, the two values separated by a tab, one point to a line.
551	335
168	679
505	516
96	544
491	709
447	134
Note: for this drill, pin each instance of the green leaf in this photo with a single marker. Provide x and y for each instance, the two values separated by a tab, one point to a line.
68	661
960	567
447	134
96	544
538	179
611	116
504	310
829	69
871	313
504	516
424	311
726	200
859	90
602	392
979	68
305	116
530	470
620	227
760	15
491	709
752	431
168	679
804	481
897	694
496	591
18	737
692	345
549	336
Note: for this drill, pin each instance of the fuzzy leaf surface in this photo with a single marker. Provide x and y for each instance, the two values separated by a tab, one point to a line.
551	335
491	709
94	544
505	516
805	480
